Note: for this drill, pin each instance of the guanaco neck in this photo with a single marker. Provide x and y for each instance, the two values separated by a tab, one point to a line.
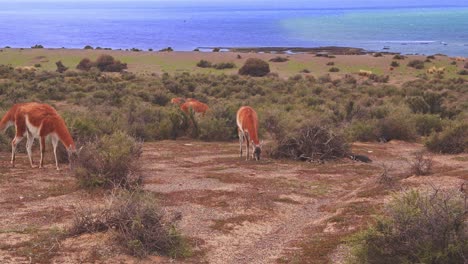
6	121
64	136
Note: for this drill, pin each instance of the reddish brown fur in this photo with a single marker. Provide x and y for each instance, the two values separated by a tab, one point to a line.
39	121
248	121
198	107
49	121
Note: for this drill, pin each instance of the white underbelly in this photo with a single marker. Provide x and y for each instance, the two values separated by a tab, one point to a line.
33	130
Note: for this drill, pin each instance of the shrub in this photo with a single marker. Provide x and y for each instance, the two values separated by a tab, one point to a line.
88	47
216	49
138	225
398	57
463	72
466	65
305	71
421	165
395	64
417	64
37	65
107	63
430	57
330	63
362	131
110	161
418	228
378	54
313	142
334	69
204	64
85	64
396	126
135	49
255	67
37	46
452	140
60	67
279	59
224	65
426	124
168	49
379	78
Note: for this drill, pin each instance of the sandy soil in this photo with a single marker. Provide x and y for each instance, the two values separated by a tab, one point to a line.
235	211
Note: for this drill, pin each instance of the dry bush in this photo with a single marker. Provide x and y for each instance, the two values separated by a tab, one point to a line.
312	142
255	67
417	228
60	67
85	64
107	63
138	224
110	161
385	178
421	165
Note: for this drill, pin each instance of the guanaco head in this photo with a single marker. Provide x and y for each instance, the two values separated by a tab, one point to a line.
73	156
257	150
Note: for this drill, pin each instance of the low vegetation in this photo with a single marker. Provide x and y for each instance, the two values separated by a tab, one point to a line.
110	161
255	67
418	227
218	66
104	63
417	64
138	225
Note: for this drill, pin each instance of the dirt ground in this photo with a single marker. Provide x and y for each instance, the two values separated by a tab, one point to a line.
233	211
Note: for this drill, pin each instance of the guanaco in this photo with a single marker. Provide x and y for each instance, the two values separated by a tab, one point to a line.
37	120
247	127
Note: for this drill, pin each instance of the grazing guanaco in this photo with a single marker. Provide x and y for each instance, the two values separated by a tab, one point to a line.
196	106
247	127
37	121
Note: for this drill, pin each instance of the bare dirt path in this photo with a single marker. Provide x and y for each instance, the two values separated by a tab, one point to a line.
235	211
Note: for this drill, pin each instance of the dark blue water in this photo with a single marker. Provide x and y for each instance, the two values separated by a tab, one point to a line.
152	25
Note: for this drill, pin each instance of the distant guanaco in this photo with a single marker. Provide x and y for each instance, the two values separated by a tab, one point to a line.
190	103
38	121
247	127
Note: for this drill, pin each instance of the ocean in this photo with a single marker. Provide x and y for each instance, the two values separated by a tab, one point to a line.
146	25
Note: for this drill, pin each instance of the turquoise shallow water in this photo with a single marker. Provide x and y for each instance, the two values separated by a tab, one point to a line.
149	25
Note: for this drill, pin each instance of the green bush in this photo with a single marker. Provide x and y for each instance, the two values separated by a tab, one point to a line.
88	47
334	69
109	162
398	57
417	64
417	228
224	65
204	64
37	46
397	125
452	140
363	131
279	59
255	67
427	124
395	64
378	54
463	72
